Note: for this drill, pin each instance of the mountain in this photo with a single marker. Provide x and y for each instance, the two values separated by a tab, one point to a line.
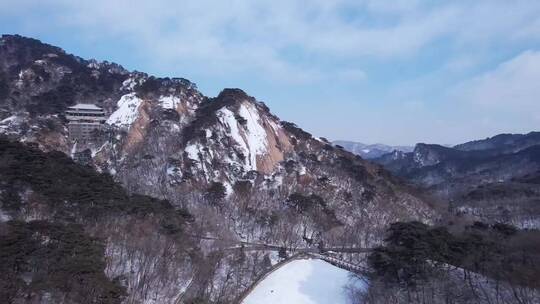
370	151
493	179
223	172
502	142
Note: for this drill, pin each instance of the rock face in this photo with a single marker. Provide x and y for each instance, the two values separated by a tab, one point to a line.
242	173
493	179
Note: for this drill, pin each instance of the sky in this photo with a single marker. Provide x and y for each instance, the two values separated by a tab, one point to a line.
374	71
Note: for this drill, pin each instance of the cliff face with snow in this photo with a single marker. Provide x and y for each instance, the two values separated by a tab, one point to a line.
244	174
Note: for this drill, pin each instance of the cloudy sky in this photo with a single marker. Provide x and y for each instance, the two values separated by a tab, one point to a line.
397	72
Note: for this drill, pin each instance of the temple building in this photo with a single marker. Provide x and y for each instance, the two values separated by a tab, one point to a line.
84	119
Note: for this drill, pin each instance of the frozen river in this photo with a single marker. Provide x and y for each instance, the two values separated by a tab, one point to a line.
304	282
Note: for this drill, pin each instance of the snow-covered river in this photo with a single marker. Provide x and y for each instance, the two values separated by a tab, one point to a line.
305	282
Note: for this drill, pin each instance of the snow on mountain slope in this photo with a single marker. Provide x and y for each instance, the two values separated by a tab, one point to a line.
247	132
126	113
169	102
304	282
227	118
255	133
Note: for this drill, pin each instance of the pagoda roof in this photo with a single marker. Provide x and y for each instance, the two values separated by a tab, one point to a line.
85	106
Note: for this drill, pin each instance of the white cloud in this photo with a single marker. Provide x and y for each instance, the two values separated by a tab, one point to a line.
501	100
253	36
512	86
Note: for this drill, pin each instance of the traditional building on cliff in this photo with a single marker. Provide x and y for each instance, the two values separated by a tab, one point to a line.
84	119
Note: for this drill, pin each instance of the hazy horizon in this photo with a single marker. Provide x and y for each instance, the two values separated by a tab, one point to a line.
366	71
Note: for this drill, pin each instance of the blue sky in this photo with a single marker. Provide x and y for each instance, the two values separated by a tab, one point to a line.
396	72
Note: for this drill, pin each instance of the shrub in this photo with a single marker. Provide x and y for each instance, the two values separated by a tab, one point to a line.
295	130
215	193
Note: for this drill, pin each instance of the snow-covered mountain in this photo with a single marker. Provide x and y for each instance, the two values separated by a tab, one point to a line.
185	198
370	151
241	172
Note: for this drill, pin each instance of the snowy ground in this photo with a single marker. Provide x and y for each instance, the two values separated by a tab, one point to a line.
303	282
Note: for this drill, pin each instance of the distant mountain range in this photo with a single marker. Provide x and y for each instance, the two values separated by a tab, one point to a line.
495	179
369	151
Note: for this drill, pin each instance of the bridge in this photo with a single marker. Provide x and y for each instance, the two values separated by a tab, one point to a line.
265	246
325	254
